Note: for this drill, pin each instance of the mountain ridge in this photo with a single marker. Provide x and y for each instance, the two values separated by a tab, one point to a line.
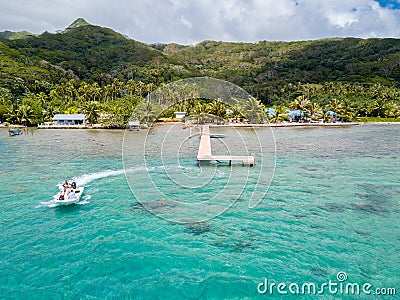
99	54
78	23
14	35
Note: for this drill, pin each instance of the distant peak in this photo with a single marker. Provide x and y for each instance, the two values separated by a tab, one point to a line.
10	35
78	23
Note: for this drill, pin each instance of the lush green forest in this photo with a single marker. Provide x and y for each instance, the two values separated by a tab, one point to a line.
95	70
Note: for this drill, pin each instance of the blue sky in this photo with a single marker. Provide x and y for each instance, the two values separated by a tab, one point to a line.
393	4
192	21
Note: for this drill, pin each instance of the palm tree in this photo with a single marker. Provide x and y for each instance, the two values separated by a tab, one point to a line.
71	110
70	90
377	108
253	110
313	109
54	95
96	91
392	110
236	113
131	86
49	112
217	108
42	98
325	116
301	103
334	105
26	114
147	112
140	88
198	110
107	90
279	114
85	91
92	111
346	111
12	114
363	110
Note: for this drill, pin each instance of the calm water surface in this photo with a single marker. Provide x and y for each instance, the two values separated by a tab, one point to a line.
333	206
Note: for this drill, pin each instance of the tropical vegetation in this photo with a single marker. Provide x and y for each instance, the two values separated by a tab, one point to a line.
97	71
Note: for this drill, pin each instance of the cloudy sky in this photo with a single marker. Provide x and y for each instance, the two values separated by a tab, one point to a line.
191	21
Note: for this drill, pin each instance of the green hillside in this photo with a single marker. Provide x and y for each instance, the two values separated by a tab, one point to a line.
92	63
91	52
17	69
10	35
99	54
265	67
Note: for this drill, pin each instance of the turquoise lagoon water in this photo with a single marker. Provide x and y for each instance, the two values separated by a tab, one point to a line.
333	206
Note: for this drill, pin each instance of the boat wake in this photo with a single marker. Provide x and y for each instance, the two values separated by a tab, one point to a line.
83	180
52	203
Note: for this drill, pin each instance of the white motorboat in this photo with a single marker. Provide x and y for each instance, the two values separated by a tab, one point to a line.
72	198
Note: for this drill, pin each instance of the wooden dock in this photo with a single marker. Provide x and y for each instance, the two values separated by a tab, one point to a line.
204	154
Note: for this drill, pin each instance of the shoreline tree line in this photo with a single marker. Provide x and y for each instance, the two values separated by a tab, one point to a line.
116	102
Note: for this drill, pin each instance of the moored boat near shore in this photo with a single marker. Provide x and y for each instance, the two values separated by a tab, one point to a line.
13	132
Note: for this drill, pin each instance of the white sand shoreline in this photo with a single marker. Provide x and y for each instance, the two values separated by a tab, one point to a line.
338	124
287	125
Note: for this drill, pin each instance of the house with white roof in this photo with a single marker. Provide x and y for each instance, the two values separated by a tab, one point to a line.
69	119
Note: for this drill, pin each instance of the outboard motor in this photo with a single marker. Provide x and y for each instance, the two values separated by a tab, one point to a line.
73	184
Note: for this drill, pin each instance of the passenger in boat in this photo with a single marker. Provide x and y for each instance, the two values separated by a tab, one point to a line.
71	195
66	185
61	197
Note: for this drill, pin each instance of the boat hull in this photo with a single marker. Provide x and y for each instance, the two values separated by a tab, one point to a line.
217	135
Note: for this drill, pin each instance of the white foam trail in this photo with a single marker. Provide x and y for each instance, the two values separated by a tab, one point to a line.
84	179
83	202
87	178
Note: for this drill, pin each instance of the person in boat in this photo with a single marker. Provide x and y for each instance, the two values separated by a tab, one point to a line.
66	185
61	195
71	195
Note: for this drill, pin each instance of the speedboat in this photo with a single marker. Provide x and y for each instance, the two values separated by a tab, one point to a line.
75	198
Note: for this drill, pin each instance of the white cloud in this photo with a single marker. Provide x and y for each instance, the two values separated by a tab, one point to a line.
341	19
186	22
190	21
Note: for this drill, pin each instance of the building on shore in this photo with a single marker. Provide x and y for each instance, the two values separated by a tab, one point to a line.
296	115
180	114
69	119
133	125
